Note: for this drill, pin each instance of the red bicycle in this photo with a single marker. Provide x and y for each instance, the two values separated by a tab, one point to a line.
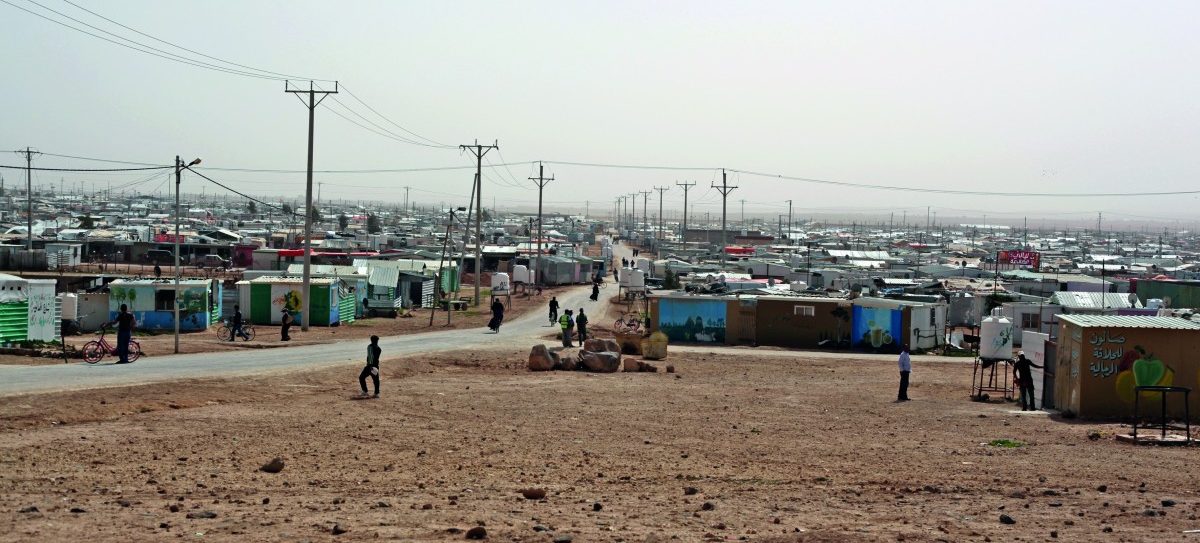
94	351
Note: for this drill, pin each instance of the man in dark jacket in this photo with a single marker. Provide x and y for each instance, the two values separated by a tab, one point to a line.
553	310
125	324
372	367
497	315
1024	373
581	323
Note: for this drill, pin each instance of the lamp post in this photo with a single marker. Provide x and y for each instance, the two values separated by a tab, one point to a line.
179	167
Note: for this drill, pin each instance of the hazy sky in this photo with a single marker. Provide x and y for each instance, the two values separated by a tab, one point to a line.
1006	96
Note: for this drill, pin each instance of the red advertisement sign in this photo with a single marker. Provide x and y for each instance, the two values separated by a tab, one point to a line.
166	238
1020	258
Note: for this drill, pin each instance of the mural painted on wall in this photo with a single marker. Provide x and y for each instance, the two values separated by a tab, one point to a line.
193	307
702	321
1135	367
284	296
876	328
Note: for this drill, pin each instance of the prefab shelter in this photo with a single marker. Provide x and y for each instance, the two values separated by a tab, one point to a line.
332	301
29	309
152	302
1101	359
802	321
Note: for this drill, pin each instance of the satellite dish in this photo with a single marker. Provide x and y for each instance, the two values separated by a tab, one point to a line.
1133	299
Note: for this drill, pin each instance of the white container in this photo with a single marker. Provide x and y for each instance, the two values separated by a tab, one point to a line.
70	306
521	274
637	278
995	337
643	264
1154	303
798	286
500	282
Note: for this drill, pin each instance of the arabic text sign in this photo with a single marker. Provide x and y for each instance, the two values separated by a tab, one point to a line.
1020	258
1107	350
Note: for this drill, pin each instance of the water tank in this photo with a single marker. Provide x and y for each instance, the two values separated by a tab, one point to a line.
70	306
637	278
521	274
995	337
500	282
798	286
1154	303
643	264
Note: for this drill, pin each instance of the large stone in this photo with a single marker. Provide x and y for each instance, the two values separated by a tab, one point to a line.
632	365
601	362
540	359
600	345
629	343
566	363
655	346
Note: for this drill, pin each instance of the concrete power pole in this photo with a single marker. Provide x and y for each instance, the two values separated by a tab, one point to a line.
479	150
541	181
725	189
789	228
311	104
660	190
29	152
683	227
645	217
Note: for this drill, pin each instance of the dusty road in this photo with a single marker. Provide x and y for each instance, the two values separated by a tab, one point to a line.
523	330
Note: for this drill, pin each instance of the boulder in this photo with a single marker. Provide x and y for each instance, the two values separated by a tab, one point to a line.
629	343
631	365
541	359
565	363
647	367
655	346
596	345
601	362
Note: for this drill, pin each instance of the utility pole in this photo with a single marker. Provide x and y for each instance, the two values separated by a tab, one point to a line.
660	190
683	227
541	181
645	217
29	152
406	199
311	104
725	189
479	150
179	167
789	229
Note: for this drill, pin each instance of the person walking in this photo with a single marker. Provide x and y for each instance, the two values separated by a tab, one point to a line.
372	367
286	321
1024	374
567	324
157	271
905	363
236	328
553	310
125	325
497	315
595	290
581	323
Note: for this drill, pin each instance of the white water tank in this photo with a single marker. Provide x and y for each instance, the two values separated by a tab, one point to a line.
637	278
798	286
500	282
70	306
521	274
995	337
643	264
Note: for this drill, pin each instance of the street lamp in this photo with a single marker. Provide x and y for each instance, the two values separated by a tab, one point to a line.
179	167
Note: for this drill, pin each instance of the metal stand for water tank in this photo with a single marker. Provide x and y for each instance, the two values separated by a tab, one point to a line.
984	378
1163	425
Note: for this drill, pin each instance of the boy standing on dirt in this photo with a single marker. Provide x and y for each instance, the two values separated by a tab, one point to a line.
1025	377
286	321
372	367
905	363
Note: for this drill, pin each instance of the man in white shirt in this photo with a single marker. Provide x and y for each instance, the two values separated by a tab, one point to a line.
905	368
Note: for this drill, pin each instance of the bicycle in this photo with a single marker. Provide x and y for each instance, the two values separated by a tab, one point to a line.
628	324
225	331
95	350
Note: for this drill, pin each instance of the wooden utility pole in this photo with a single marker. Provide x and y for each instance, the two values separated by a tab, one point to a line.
541	181
479	150
311	104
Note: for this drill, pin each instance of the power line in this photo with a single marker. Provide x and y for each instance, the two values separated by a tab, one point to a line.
139	47
180	47
84	169
394	123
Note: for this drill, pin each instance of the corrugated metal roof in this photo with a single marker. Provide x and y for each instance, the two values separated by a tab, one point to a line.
1093	300
1129	321
384	276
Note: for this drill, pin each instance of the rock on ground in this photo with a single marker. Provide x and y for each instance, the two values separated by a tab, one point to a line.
602	362
540	359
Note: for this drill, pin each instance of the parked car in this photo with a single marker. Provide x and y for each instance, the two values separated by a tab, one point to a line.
211	261
159	256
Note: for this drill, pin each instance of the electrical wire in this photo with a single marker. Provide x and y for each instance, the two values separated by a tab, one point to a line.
146	49
82	169
180	47
434	142
239	193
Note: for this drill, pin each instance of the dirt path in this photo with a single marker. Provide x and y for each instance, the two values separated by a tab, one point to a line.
762	448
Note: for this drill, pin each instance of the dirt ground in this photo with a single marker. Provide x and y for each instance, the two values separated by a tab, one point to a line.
746	446
267	337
